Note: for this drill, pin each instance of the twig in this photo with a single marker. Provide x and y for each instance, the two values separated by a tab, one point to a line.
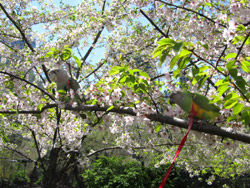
190	10
159	76
221	55
92	46
241	47
37	148
20	153
18	28
156	27
39	75
96	69
28	82
9	46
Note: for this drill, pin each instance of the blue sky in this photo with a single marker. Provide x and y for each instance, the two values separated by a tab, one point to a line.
92	56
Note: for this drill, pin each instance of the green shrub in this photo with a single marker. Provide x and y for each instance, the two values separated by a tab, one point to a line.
116	172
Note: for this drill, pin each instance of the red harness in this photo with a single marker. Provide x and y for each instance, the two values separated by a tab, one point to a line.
191	120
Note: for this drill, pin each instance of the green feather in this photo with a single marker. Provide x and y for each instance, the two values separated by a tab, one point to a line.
204	103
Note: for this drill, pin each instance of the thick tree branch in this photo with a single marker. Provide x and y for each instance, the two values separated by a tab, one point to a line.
206	127
30	111
164	119
18	28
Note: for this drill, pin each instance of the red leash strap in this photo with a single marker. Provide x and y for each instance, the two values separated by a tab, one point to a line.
191	120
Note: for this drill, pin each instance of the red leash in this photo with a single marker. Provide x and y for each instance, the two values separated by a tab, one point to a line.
191	120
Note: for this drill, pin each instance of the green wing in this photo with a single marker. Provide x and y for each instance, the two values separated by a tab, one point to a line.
204	103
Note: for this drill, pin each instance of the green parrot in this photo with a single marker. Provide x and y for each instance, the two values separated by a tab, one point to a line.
197	106
201	105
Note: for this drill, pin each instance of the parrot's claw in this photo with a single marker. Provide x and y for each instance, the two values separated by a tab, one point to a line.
201	122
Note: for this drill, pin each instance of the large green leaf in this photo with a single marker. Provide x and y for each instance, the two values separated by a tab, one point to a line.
238	108
115	70
174	61
230	103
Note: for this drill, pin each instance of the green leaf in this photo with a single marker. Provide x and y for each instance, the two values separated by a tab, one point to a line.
166	41
245	65
230	103
134	70
158	51
238	108
49	54
174	61
183	61
110	108
158	128
220	69
123	79
220	82
184	52
144	74
177	46
195	71
40	106
164	55
240	28
233	73
241	83
78	61
66	54
222	89
61	91
231	55
203	68
115	70
230	65
143	87
202	81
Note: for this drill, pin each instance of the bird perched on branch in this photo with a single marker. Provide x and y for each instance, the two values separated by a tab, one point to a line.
201	104
64	84
197	106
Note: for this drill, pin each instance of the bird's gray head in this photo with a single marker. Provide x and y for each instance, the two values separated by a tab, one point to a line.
175	98
57	75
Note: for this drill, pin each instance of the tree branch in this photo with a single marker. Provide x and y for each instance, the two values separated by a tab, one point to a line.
18	28
156	27
134	148
28	82
92	46
30	111
206	128
20	153
241	47
221	55
164	119
97	68
190	10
